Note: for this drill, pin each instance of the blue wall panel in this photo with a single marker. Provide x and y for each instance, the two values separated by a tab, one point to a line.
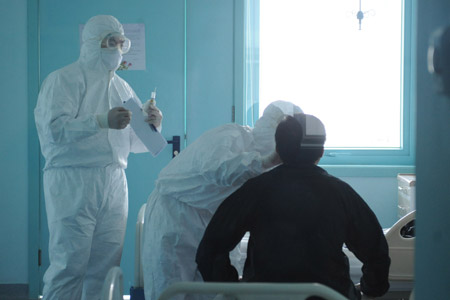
209	48
13	149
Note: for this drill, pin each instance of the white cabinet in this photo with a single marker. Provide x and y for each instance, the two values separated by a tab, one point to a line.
406	193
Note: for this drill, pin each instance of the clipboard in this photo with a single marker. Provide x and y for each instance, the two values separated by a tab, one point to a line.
150	137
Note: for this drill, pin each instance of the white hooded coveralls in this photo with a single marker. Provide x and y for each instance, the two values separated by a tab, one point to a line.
85	187
191	187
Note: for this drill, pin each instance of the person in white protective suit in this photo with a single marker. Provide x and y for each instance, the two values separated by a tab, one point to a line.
85	139
191	187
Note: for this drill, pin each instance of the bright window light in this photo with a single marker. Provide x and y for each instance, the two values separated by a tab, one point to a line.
313	53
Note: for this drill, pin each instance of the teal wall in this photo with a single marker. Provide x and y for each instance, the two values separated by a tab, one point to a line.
204	96
13	149
210	57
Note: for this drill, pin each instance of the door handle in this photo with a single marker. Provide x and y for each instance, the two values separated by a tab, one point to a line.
175	141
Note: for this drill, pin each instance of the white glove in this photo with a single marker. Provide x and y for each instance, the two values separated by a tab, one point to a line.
154	115
271	160
118	118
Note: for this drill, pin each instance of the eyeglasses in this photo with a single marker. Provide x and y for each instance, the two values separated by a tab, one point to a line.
116	41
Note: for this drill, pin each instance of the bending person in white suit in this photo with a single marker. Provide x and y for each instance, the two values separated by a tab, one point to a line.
191	187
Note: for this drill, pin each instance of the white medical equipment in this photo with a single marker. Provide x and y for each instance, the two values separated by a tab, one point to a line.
253	291
138	277
412	297
113	285
401	252
406	194
137	290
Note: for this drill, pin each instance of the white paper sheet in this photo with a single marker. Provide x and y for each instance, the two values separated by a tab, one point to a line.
135	59
151	138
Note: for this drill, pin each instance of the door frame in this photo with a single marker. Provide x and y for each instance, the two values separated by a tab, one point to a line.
34	155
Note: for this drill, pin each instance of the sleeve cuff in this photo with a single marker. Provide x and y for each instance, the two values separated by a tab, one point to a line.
102	120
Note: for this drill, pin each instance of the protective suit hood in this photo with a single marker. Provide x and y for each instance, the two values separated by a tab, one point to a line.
94	32
264	130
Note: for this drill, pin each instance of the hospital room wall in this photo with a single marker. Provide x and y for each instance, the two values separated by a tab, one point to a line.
207	101
13	149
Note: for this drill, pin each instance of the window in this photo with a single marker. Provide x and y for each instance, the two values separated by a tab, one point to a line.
354	76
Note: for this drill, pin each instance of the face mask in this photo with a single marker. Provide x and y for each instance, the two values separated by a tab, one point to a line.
111	59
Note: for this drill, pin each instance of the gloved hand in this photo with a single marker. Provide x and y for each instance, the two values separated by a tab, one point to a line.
118	118
154	115
271	160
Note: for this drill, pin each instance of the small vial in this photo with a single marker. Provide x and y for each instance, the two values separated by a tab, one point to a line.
150	102
153	97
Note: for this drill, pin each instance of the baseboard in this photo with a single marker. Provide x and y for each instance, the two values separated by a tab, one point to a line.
14	291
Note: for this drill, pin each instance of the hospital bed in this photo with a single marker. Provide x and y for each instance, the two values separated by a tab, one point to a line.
112	288
252	291
401	251
137	290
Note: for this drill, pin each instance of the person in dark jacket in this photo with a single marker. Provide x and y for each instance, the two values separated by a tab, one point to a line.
299	217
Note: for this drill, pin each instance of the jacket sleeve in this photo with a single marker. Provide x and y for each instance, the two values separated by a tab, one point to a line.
367	241
224	232
56	112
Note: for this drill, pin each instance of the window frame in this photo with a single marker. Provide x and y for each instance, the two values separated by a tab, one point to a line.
246	65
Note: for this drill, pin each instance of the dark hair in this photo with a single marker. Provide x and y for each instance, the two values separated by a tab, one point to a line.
310	155
288	138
